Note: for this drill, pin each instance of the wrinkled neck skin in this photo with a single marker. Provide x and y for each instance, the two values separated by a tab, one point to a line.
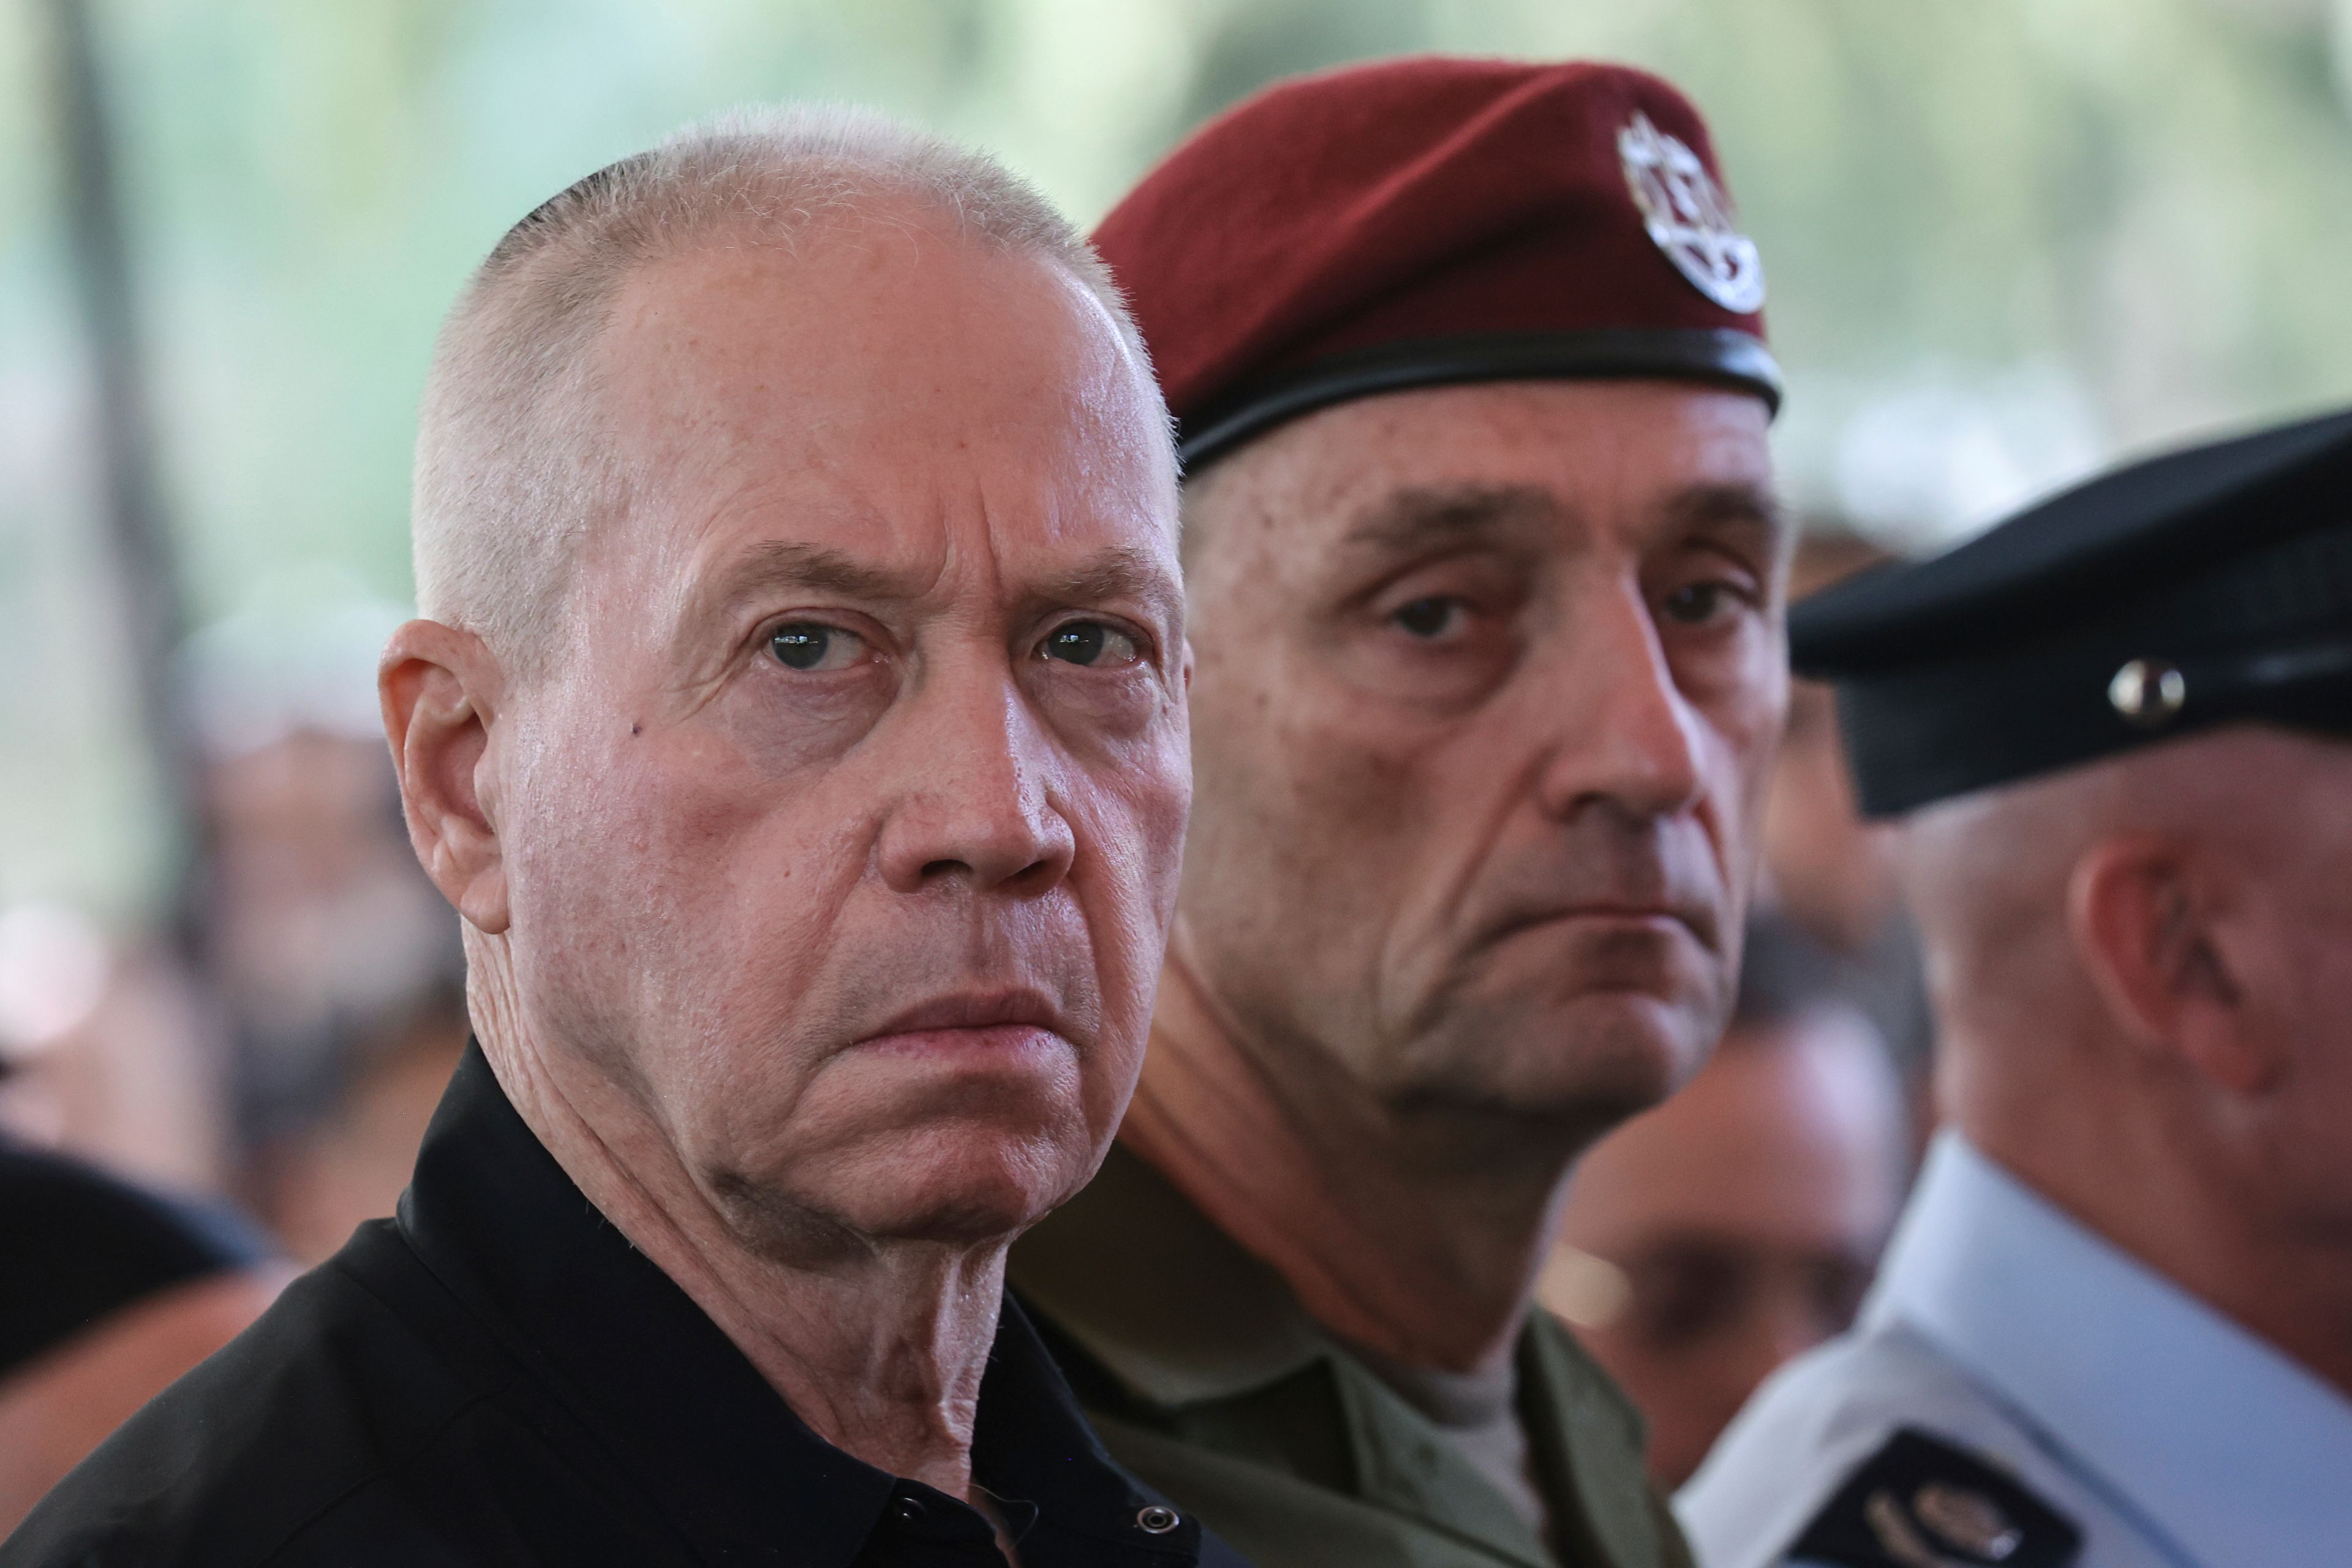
879	1349
1415	1237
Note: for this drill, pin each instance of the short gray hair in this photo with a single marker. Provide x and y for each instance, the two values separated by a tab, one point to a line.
510	472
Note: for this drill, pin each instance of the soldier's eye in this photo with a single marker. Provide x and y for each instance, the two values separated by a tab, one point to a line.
1432	617
813	645
1089	644
1696	604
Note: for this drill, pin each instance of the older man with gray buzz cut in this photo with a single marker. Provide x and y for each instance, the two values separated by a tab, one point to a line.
798	725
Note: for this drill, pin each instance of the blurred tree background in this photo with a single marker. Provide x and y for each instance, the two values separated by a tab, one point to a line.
2005	239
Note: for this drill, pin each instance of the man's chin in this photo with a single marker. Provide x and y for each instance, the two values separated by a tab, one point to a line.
961	1185
1587	1061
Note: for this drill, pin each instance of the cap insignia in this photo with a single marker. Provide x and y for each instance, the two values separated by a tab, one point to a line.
2147	692
1688	218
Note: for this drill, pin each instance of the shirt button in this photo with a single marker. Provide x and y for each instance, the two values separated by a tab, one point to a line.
908	1511
1155	1520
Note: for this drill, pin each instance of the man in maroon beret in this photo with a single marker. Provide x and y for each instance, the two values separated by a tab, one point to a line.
1485	578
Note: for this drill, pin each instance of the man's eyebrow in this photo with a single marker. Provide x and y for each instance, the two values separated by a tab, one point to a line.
1418	518
1732	502
817	568
1120	572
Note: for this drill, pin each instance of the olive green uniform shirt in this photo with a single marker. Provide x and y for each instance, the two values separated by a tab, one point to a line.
1208	1380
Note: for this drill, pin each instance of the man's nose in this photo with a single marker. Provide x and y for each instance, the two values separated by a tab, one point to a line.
1622	730
976	805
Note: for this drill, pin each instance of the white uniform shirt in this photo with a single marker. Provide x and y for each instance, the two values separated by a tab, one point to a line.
2169	1436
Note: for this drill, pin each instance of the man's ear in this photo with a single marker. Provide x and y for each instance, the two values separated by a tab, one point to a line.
440	689
2147	916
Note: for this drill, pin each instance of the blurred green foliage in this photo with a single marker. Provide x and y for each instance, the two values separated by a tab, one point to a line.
2034	230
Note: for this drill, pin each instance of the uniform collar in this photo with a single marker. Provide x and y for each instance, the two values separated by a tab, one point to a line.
1178	1314
1167	1303
737	1474
2230	1450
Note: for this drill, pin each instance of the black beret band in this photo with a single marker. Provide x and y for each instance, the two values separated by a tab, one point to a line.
1721	355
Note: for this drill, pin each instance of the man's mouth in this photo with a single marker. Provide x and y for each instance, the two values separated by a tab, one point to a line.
1012	1017
1666	919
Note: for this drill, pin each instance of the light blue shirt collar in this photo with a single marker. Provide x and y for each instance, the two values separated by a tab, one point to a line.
2230	1448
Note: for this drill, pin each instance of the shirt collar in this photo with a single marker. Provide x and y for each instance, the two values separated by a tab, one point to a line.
2231	1448
1101	1269
1178	1314
735	1472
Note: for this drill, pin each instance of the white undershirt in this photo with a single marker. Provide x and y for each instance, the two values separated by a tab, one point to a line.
1480	1411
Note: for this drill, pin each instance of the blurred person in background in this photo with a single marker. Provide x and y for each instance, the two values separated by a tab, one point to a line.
1709	1241
108	1292
2114	1328
1486	569
294	1065
312	931
321	935
111	1052
120	1266
347	1163
1826	868
800	731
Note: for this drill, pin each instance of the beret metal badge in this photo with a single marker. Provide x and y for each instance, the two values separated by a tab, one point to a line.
1688	218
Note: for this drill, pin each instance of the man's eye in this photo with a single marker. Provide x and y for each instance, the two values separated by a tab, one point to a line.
1696	604
1089	643
812	645
1432	617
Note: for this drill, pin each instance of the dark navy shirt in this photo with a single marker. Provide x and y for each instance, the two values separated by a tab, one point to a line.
498	1376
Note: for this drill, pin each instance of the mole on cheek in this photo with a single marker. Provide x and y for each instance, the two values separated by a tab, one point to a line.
636	729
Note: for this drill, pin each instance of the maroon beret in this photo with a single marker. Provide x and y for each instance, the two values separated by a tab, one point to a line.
1432	220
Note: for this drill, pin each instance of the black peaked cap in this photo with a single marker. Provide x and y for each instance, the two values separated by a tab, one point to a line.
2202	587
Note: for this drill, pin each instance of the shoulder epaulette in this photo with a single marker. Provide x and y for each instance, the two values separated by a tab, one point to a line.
1919	1502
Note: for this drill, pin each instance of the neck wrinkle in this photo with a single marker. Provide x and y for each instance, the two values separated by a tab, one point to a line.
881	1356
1425	1262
